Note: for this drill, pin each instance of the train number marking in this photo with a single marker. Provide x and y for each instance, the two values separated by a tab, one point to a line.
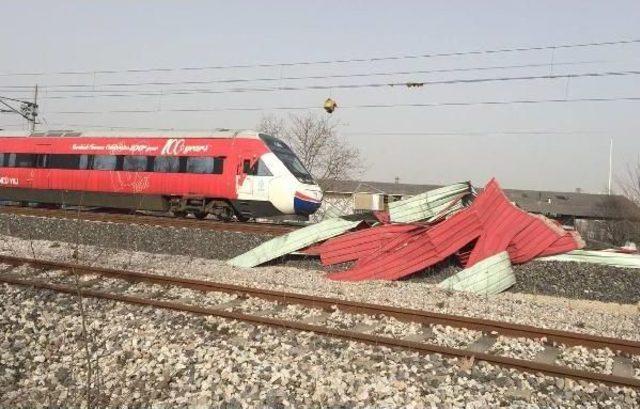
9	181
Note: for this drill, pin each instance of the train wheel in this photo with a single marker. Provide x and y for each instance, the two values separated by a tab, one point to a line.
200	215
242	218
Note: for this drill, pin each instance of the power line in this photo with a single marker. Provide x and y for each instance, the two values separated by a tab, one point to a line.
365	106
266	79
479	133
335	61
356	86
372	133
512	102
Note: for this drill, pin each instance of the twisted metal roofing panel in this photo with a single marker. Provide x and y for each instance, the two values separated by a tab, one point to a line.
487	277
290	242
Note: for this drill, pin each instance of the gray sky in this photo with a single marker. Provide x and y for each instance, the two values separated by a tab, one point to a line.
475	142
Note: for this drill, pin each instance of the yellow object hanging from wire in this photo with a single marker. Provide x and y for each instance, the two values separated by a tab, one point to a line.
330	105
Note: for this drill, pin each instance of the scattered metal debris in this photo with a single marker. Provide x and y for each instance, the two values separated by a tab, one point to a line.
293	241
604	257
429	205
487	236
488	277
416	250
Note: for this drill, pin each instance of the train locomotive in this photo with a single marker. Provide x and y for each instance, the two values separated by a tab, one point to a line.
232	175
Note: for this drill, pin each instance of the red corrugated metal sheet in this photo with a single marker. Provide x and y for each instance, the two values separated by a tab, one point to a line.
506	227
399	240
570	241
492	224
533	239
417	249
500	220
352	246
317	248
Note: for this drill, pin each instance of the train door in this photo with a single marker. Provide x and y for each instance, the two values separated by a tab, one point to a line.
41	174
244	183
254	179
261	178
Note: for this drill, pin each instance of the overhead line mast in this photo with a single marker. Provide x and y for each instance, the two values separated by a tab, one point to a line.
28	110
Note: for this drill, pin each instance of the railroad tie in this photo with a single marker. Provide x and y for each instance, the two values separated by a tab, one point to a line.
269	311
7	269
362	327
622	367
319	319
548	355
423	335
226	305
482	344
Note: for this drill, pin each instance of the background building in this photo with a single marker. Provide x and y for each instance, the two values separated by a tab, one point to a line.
601	219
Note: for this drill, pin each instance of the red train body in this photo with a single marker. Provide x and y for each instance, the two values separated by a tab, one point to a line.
223	173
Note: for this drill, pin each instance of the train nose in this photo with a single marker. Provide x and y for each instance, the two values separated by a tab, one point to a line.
307	202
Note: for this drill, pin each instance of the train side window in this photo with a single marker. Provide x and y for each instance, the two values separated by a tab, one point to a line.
183	164
25	160
2	155
119	162
63	162
262	169
11	160
218	166
258	169
166	164
134	163
151	163
199	164
83	163
42	160
104	162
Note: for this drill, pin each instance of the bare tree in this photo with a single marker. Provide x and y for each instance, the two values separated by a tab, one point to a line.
630	185
627	226
619	230
316	141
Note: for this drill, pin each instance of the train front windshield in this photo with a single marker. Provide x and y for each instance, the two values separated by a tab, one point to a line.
290	160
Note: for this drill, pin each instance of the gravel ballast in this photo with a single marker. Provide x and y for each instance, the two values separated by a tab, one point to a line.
554	278
607	319
151	239
138	356
143	357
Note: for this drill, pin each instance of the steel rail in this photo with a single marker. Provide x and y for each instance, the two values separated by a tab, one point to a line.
523	365
354	307
148	220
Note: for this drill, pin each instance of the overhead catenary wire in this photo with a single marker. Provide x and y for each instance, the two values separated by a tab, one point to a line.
334	61
92	87
477	133
66	125
358	86
364	106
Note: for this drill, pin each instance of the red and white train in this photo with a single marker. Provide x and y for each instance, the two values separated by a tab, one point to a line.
229	174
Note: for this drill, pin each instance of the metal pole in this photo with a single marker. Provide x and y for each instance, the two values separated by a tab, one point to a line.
35	105
610	162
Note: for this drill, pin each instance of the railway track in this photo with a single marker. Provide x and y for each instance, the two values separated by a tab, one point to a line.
268	307
148	220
